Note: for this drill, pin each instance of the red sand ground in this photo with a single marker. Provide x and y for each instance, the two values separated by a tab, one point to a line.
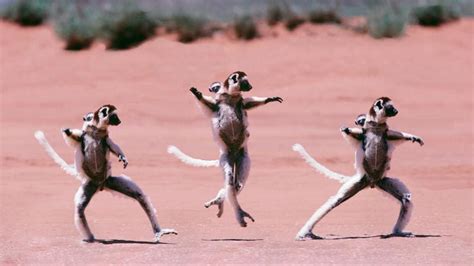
325	74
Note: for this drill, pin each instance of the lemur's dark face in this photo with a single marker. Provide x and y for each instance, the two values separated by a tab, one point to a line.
360	120
237	82
106	115
383	107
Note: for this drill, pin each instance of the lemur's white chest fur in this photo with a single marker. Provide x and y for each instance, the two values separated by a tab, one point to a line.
230	123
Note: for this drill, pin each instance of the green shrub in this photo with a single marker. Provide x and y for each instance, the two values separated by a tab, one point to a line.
324	16
386	22
187	27
275	15
77	26
126	26
27	12
245	28
293	22
435	15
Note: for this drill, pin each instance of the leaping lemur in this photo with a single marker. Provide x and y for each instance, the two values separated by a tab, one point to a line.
372	165
94	167
229	125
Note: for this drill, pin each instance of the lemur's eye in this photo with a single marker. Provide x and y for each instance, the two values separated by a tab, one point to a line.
234	78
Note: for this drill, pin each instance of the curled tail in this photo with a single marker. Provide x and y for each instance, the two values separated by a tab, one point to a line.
71	170
319	167
190	160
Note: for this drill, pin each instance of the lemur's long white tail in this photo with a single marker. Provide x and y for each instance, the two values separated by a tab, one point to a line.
71	170
319	167
190	160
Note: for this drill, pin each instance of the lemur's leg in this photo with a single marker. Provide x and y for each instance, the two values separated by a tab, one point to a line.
83	197
129	188
219	201
253	102
398	136
398	190
347	190
242	170
228	166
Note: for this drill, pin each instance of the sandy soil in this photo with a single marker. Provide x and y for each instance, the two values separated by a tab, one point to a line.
325	74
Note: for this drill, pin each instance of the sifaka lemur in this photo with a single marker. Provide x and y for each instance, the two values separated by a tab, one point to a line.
376	143
229	125
94	168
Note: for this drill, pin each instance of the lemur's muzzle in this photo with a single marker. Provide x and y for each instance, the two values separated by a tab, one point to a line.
114	120
390	111
245	85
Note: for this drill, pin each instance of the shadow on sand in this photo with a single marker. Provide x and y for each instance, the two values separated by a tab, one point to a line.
123	241
234	239
379	236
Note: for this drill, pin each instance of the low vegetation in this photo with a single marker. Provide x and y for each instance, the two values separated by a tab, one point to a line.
293	22
126	26
187	27
77	26
435	15
320	16
245	28
386	22
275	15
27	12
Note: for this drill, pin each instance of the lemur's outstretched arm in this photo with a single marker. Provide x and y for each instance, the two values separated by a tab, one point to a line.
400	136
115	149
253	102
72	136
207	101
356	133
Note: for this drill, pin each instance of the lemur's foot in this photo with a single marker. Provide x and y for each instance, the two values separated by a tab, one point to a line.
163	232
399	234
241	218
220	206
89	239
307	236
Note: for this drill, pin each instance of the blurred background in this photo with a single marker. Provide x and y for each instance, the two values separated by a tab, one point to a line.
122	24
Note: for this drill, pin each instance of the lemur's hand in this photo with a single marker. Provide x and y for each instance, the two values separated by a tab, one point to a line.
345	130
123	159
196	93
274	99
417	139
67	131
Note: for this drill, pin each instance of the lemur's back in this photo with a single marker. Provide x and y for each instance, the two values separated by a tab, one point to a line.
96	152
231	122
375	151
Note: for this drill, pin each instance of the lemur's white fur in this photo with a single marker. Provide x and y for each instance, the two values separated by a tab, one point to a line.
190	160
319	167
68	168
380	111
